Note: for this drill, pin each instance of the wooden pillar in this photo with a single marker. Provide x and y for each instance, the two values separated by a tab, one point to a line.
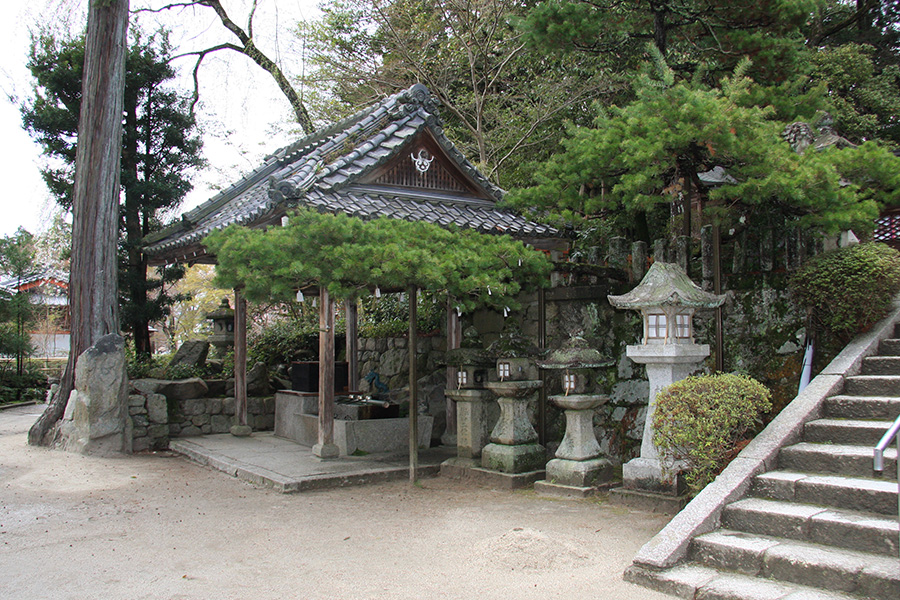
351	315
413	387
454	341
717	289
325	447
542	343
241	426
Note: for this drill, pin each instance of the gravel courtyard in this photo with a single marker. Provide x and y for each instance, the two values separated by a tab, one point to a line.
156	526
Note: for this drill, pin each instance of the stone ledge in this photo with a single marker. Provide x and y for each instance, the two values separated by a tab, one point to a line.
456	468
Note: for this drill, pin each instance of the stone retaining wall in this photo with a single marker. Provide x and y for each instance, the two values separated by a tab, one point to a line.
161	410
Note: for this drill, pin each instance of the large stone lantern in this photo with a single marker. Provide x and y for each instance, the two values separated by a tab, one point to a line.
579	467
667	300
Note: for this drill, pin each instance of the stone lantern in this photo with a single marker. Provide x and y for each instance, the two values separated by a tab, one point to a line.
514	449
472	399
222	337
667	300
579	466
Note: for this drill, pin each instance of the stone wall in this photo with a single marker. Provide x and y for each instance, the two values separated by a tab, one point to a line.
161	409
389	358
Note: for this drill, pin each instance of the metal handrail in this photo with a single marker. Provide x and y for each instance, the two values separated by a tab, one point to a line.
889	435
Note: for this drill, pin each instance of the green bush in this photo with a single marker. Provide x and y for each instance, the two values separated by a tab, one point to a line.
699	421
848	290
388	316
284	341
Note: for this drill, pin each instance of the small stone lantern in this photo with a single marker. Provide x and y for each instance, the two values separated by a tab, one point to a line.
667	300
514	448
579	467
222	337
471	397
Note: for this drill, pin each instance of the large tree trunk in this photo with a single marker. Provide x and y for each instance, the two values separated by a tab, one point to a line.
93	298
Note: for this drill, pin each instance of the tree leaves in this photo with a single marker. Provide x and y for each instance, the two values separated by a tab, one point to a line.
350	257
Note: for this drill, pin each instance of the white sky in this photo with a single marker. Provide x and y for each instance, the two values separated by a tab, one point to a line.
243	114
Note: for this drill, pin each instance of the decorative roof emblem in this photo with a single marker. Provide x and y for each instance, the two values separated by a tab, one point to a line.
422	162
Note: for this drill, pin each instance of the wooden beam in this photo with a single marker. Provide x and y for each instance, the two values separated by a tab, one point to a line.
241	425
325	447
351	315
413	387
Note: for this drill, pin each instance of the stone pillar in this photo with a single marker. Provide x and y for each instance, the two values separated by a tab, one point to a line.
579	465
472	429
659	250
241	427
638	260
96	417
683	253
326	448
514	447
618	253
665	364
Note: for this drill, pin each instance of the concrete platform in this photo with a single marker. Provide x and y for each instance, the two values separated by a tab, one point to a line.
265	460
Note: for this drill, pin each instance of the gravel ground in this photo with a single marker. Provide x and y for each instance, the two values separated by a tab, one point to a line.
157	526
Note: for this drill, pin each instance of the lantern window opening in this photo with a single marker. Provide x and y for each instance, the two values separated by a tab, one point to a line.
683	326
462	378
568	382
503	370
656	326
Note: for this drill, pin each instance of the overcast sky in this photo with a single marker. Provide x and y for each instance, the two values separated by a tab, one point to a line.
243	113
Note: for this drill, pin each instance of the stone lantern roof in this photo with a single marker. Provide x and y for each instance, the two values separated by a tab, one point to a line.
665	284
223	311
576	353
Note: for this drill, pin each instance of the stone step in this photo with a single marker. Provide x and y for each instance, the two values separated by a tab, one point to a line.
845	431
847	493
889	347
881	365
842	459
872	385
852	530
695	581
862	407
813	565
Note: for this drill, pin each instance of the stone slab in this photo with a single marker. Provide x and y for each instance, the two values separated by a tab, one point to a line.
470	471
269	461
558	490
647	501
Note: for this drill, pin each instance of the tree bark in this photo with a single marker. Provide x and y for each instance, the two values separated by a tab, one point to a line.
93	289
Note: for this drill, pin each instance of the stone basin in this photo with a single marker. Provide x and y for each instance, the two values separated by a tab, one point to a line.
579	401
512	388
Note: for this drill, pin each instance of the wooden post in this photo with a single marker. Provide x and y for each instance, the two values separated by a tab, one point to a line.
351	315
717	289
325	447
454	341
413	388
241	425
542	343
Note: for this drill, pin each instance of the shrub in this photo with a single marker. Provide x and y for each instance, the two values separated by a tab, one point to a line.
699	421
848	290
284	341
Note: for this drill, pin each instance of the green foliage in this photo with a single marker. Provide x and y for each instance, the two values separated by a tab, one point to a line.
17	313
388	316
647	153
700	420
284	341
848	290
351	257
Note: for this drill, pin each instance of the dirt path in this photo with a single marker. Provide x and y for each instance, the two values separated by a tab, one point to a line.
155	526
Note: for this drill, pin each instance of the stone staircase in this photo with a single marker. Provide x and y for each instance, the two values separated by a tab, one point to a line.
821	524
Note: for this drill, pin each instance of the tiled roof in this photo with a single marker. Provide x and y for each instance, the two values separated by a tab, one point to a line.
323	171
